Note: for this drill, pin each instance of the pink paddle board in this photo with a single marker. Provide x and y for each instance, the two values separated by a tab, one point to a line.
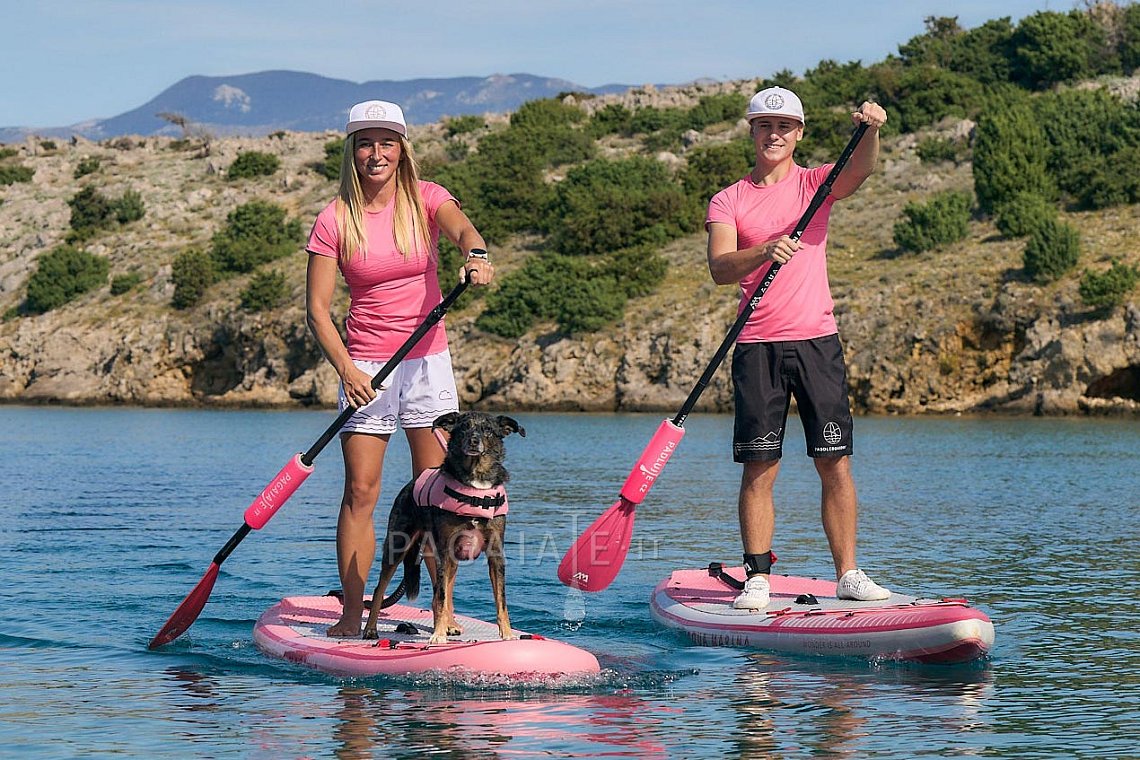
294	630
805	617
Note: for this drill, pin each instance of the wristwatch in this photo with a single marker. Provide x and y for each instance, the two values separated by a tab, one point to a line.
477	253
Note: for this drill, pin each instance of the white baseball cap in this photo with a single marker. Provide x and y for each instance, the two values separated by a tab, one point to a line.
376	113
775	101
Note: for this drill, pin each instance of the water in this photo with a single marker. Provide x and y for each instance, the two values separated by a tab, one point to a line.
108	517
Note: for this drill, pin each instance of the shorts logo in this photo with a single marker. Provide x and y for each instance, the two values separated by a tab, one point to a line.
775	101
832	434
767	442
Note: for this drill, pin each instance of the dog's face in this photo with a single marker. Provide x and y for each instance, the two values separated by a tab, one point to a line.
475	450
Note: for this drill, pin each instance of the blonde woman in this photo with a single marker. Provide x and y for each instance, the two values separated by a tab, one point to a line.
382	234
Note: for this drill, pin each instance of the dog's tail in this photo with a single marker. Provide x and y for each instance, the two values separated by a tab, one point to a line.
412	562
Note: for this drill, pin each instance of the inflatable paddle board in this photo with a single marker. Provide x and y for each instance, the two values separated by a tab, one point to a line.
805	617
294	630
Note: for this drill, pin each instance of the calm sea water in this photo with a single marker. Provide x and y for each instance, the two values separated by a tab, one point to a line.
108	517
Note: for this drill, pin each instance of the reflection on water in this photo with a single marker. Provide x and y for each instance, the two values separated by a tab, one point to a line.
109	517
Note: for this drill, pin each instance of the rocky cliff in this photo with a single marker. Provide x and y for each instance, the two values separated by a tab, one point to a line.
956	330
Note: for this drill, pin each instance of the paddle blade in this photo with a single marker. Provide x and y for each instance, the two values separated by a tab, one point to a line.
188	611
596	557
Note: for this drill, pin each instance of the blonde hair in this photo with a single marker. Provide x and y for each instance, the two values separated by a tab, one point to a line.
409	220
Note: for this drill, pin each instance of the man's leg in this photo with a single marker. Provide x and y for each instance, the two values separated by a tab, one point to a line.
839	510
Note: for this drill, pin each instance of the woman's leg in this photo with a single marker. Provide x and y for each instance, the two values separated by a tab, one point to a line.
355	530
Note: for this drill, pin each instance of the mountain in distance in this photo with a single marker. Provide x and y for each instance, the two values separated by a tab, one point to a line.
267	101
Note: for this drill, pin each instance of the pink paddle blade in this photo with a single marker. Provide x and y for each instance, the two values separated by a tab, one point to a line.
596	557
188	611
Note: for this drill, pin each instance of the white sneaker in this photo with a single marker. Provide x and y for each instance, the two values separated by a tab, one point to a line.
756	594
855	585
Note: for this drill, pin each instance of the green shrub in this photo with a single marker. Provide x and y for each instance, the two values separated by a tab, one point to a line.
62	274
266	290
48	145
637	271
129	207
334	153
1108	289
10	175
1023	214
1053	249
1129	46
1050	47
1008	156
588	304
607	205
461	125
711	168
456	150
579	294
924	95
86	166
192	273
932	150
253	163
124	283
90	210
7	153
944	219
255	233
611	119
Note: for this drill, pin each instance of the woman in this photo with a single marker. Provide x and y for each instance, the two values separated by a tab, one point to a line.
382	233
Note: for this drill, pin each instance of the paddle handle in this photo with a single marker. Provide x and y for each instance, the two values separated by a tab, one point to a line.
274	495
652	461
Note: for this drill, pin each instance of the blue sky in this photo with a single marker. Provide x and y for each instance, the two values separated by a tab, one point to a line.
67	61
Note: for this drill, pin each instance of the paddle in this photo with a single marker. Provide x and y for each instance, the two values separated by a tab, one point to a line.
595	559
282	487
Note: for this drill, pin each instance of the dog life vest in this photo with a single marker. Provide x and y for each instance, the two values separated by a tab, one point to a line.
435	488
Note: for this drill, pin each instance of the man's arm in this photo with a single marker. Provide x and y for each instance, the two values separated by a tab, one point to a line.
866	155
728	265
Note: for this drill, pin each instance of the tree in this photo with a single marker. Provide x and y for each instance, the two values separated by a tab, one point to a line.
1008	156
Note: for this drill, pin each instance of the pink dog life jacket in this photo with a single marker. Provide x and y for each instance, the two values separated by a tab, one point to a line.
435	488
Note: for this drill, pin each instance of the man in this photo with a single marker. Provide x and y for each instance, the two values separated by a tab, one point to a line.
790	344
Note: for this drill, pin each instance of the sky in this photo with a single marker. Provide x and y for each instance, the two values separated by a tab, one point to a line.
67	61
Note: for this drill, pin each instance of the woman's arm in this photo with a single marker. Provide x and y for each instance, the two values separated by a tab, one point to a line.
320	285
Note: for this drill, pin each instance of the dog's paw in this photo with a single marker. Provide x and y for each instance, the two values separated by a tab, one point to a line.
508	637
438	638
369	634
454	630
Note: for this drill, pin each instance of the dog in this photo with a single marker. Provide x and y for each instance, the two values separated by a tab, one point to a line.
455	512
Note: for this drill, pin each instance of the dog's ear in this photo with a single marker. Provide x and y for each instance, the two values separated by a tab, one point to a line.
508	426
446	421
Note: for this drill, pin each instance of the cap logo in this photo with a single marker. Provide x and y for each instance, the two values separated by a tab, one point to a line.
774	101
375	112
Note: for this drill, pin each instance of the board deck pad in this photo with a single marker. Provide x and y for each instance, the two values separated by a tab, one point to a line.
902	627
294	630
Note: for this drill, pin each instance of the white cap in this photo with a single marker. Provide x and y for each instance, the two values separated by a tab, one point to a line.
376	113
775	101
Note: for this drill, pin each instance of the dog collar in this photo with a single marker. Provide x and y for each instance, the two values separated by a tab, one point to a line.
435	488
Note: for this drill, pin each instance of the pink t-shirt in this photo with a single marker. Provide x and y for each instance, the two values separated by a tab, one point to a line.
390	294
798	305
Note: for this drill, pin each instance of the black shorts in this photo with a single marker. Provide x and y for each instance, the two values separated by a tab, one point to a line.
765	378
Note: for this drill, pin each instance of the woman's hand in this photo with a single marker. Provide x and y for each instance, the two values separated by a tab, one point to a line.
478	270
357	386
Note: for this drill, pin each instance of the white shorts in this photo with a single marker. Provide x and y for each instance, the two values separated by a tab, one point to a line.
417	391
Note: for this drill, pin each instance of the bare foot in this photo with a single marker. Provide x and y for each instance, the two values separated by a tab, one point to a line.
347	627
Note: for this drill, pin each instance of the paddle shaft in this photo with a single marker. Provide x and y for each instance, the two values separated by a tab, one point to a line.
766	282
